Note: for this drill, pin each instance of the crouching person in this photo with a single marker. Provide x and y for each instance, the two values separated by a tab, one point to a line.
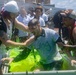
45	41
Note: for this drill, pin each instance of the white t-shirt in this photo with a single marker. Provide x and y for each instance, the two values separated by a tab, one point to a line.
25	21
42	22
45	17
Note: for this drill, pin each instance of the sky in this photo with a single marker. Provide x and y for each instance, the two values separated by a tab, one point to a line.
64	4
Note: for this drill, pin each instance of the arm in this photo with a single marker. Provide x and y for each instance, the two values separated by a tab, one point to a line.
21	26
6	41
7	59
30	40
73	62
62	44
65	45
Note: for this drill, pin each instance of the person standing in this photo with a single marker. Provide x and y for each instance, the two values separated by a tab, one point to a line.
69	21
44	16
38	12
7	22
23	18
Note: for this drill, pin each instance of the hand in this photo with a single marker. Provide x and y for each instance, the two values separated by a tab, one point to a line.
73	62
7	59
3	59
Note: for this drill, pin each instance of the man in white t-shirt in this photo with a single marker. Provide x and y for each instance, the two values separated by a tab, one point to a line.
38	16
24	18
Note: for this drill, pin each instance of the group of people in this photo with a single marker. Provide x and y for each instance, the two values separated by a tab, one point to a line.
44	39
25	16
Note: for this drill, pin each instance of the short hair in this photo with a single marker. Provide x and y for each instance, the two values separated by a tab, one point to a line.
39	7
33	22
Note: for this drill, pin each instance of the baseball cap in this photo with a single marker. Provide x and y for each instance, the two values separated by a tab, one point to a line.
11	6
72	14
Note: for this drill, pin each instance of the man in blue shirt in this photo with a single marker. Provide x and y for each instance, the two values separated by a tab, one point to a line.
45	41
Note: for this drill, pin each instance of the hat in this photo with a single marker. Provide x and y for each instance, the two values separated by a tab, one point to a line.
72	15
11	7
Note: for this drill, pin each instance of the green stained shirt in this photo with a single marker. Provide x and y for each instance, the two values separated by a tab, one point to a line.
46	46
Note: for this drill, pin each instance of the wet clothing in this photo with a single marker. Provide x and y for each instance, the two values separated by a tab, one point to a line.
46	46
